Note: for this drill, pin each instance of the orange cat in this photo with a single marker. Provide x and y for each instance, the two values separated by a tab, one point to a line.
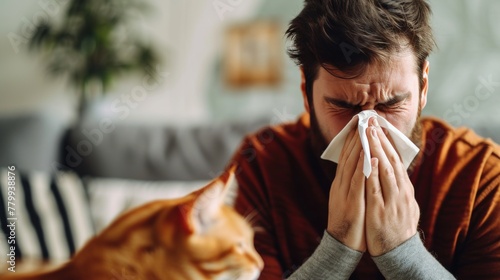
194	237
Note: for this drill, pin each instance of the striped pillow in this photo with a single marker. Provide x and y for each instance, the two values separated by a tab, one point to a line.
53	215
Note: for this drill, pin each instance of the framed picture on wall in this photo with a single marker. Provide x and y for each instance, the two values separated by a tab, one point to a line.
253	54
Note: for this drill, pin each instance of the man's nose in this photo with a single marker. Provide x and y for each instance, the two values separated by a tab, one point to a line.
373	106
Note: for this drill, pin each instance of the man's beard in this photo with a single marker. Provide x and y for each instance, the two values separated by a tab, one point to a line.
319	143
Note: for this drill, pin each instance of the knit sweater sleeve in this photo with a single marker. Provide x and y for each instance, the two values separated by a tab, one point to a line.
411	260
331	260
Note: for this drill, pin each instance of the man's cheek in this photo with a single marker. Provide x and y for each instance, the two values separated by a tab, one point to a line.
402	122
330	130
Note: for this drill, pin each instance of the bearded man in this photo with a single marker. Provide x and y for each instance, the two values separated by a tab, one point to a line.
437	219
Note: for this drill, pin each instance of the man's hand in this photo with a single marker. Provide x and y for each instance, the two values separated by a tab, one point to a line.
346	209
392	212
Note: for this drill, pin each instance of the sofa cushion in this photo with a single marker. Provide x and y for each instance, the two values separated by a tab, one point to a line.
109	197
31	141
153	152
48	216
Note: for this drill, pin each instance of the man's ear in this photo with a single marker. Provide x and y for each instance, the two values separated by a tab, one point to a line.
425	85
303	89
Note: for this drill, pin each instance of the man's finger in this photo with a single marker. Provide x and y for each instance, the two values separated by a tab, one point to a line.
374	196
392	155
352	155
357	186
386	173
349	142
343	154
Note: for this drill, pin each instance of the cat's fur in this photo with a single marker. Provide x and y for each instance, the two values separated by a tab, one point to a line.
194	237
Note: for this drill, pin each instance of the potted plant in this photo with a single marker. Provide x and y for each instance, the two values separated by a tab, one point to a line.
86	45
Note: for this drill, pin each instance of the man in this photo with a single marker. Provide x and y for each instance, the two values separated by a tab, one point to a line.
439	219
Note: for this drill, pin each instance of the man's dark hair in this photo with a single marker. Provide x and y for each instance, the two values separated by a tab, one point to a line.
349	34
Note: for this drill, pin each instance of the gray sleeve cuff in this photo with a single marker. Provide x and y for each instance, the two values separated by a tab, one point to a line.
411	260
331	260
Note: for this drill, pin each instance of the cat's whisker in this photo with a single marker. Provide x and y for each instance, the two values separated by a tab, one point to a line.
258	229
250	218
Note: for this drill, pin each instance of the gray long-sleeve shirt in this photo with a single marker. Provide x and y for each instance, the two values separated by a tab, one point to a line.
333	260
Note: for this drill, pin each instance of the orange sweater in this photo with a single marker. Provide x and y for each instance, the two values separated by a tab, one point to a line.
457	186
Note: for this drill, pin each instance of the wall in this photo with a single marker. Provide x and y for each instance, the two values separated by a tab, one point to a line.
24	87
465	70
185	32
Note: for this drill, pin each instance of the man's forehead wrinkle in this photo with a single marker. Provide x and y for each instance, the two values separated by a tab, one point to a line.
352	93
381	92
361	93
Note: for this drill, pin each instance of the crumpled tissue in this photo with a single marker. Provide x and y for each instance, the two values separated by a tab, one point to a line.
406	149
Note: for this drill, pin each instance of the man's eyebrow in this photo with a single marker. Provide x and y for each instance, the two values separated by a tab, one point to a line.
396	99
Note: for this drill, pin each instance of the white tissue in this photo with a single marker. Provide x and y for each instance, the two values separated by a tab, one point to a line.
406	149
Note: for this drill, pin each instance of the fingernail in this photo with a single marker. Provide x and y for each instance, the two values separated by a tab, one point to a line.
374	132
375	122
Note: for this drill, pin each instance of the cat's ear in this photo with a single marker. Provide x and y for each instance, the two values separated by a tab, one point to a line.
230	188
203	211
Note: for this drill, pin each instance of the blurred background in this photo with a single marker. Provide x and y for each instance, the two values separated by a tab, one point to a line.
220	61
150	98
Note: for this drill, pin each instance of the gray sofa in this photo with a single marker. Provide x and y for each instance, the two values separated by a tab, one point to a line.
131	151
154	152
119	167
